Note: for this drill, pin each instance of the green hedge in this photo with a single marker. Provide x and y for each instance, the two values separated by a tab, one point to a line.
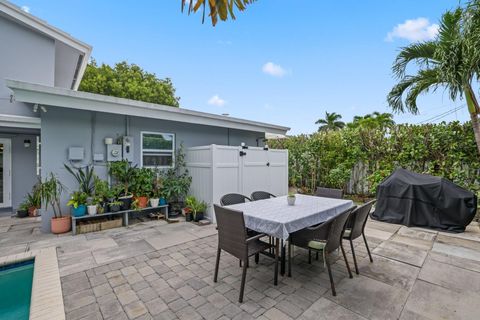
329	158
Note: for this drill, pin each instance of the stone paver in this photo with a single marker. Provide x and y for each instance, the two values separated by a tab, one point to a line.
154	270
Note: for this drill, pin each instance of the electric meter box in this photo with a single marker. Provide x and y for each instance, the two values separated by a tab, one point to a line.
127	150
114	152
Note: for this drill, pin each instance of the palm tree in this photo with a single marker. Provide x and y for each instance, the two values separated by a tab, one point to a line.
217	8
452	61
331	122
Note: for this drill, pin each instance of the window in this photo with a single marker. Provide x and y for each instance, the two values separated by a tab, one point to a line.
158	149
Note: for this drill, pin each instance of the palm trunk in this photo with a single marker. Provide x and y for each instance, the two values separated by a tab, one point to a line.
473	109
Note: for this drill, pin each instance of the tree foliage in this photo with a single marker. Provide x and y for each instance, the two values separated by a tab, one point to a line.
128	81
222	9
329	158
451	61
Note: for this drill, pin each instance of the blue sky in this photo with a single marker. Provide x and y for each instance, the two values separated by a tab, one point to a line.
282	61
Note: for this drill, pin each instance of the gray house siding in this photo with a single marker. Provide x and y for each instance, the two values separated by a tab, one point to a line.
63	128
25	55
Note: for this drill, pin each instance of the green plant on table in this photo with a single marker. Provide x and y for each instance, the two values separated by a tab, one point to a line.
33	199
24	206
291	194
77	199
50	192
101	188
85	178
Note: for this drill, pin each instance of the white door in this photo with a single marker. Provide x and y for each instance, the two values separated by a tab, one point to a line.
255	171
5	173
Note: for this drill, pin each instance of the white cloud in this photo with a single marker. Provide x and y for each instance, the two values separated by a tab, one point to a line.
25	8
273	69
215	100
419	29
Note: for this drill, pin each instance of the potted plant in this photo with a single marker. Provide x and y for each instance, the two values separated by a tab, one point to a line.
291	198
93	207
78	201
124	173
176	183
22	211
34	202
156	191
85	178
50	192
196	208
115	206
142	186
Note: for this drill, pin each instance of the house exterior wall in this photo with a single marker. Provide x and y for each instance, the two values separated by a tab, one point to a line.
25	55
63	128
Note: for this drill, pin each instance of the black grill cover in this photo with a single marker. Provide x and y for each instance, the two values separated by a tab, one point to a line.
422	200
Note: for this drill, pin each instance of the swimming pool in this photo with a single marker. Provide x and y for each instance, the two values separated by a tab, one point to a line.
16	290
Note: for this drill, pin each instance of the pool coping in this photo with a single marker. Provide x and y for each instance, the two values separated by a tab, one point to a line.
46	301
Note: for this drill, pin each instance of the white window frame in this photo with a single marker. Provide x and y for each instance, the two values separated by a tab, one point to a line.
157	150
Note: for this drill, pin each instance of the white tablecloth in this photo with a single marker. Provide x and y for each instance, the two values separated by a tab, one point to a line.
276	218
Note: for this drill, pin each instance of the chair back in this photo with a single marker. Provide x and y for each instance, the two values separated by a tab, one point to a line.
261	195
232	234
358	219
329	193
233	198
336	230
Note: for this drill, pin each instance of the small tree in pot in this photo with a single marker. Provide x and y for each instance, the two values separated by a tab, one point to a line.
124	173
142	186
50	192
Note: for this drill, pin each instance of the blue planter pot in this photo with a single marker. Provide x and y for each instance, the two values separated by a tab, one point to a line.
79	211
163	201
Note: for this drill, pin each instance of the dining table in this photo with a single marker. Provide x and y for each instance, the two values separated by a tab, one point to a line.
276	218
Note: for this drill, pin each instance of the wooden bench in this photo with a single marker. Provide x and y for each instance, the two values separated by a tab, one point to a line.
123	213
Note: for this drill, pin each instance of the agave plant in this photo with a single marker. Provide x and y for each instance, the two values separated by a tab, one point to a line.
85	178
217	8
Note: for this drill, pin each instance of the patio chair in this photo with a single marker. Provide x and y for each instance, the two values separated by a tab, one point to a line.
261	195
324	238
356	227
232	238
233	198
329	193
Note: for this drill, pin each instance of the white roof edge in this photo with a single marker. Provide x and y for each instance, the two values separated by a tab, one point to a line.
54	96
9	120
43	27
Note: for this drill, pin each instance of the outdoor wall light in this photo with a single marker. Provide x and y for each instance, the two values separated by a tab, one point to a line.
27	143
265	147
243	145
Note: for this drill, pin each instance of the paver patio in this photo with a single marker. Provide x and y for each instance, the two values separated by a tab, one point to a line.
154	270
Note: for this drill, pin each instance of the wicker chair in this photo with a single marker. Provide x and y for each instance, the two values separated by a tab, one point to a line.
329	193
324	238
261	195
233	198
232	238
356	227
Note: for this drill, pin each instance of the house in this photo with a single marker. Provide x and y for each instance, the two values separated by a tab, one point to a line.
45	122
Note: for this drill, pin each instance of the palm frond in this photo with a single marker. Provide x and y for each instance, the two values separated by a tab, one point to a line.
223	9
421	53
412	87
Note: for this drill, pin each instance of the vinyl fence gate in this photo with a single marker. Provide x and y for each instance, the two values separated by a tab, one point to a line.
217	170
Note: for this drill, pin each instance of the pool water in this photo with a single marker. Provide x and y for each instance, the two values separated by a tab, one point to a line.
16	290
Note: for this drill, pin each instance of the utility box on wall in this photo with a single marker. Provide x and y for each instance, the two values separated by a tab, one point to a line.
114	152
217	170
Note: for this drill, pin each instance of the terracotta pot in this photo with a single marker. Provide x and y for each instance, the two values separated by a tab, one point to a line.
142	202
32	211
61	225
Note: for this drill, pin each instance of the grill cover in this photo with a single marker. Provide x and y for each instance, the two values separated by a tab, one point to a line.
422	200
